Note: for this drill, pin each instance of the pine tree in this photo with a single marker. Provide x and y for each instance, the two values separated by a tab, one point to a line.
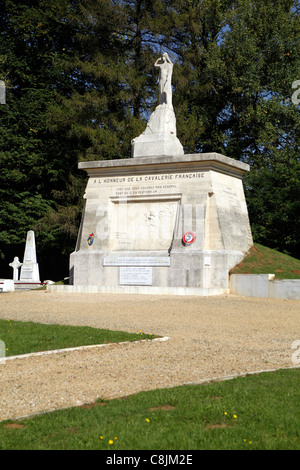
237	61
115	83
35	164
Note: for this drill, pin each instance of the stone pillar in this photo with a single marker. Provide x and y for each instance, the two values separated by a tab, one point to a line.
30	267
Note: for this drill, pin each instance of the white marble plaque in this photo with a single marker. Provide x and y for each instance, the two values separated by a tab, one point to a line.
135	276
27	272
206	260
136	261
141	224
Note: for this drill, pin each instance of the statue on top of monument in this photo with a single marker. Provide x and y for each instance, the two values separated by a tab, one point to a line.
165	79
159	138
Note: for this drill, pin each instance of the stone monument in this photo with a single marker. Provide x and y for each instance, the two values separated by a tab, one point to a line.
165	222
29	277
15	265
30	267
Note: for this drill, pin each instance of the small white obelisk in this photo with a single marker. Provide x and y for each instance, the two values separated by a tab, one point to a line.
30	267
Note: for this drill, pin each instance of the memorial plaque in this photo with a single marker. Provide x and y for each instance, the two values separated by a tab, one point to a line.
142	209
140	223
207	260
136	261
135	276
27	273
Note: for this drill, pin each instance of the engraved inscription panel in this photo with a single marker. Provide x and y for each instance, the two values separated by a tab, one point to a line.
143	225
136	261
135	276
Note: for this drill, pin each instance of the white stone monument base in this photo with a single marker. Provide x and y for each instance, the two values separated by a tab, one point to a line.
30	273
159	137
137	290
156	144
137	211
204	273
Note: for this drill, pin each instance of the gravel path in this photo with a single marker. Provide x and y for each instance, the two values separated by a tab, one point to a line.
208	337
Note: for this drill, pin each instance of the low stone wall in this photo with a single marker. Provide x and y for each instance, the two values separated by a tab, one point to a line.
7	285
264	285
136	290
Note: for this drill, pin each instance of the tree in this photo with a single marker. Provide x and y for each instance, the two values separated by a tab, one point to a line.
36	164
115	83
236	65
264	123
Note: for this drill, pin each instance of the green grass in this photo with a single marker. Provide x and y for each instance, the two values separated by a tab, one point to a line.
27	337
262	412
263	260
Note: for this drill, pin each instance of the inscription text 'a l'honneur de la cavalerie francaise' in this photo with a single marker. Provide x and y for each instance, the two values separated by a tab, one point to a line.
149	178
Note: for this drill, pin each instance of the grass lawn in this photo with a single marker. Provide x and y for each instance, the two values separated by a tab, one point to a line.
262	260
27	337
254	412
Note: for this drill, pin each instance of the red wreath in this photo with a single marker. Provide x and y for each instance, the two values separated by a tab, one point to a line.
188	238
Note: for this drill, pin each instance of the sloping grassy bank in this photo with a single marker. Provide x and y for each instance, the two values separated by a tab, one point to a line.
263	260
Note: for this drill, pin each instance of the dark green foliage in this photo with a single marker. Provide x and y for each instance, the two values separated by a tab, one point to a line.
37	164
238	61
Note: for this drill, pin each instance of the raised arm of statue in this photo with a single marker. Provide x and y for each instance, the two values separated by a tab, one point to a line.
165	79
